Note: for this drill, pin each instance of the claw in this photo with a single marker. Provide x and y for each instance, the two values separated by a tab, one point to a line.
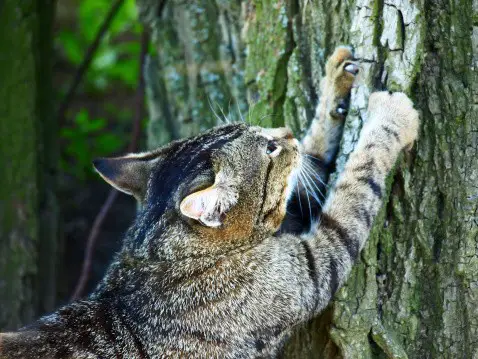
341	111
342	107
352	68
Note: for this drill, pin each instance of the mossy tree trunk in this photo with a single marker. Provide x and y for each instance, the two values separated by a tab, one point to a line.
28	136
414	292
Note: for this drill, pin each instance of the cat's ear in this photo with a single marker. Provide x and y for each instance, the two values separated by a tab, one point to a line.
128	174
209	206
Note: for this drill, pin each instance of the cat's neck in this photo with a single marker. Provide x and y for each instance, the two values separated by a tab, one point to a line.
170	253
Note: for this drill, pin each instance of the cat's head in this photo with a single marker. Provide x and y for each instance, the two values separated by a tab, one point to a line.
228	181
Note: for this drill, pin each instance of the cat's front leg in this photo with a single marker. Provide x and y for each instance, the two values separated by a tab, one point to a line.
323	137
321	142
349	212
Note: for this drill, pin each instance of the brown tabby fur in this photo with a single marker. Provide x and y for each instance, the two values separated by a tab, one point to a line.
204	271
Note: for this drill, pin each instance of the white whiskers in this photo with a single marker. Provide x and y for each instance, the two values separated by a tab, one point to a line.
214	111
311	182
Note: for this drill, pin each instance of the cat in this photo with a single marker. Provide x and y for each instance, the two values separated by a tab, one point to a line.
213	266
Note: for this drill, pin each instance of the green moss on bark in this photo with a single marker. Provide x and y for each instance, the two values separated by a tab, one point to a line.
18	192
269	45
28	217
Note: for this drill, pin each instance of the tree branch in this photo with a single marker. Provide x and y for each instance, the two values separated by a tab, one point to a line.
133	145
90	244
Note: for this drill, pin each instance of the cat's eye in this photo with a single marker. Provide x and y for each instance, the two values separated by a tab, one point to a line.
273	149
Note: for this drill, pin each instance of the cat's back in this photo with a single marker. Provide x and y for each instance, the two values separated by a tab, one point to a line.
225	307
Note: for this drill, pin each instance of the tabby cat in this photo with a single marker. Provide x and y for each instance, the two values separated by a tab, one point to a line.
206	270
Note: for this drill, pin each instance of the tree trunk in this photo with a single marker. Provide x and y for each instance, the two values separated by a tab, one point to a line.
414	292
28	211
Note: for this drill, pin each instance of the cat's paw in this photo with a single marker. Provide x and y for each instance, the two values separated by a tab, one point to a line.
340	71
394	112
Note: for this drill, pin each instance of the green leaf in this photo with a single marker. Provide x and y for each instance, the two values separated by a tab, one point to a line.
96	124
108	142
82	116
72	46
105	59
68	133
125	71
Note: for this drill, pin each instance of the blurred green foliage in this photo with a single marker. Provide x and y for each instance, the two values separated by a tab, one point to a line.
113	70
85	140
116	57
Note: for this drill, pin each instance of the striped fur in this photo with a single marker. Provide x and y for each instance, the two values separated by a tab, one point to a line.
182	289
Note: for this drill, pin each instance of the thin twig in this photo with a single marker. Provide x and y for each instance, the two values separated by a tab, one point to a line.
136	132
85	64
90	244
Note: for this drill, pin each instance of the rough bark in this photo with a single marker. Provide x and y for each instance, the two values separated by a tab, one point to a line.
414	292
28	212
